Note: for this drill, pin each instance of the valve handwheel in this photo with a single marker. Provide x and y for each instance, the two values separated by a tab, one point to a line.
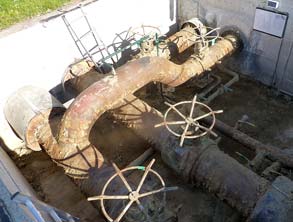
133	195
121	41
145	30
150	33
190	120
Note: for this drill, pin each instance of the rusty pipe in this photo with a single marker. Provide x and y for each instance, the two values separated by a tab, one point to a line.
253	144
202	164
174	45
111	91
195	164
97	176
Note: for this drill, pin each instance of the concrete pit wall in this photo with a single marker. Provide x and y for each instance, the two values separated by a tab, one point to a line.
266	58
39	53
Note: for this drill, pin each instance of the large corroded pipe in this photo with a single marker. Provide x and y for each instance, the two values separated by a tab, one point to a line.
172	46
203	164
111	91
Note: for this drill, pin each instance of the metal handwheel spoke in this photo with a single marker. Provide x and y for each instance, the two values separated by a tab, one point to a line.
205	35
143	30
163	189
124	211
118	171
170	123
107	197
128	31
184	134
205	128
208	114
192	106
146	30
133	196
176	110
203	116
151	192
190	120
145	175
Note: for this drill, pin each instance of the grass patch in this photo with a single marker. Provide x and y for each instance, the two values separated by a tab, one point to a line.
13	11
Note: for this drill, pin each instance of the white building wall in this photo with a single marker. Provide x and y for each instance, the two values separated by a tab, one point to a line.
266	58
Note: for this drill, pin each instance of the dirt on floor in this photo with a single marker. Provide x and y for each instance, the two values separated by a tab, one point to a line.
121	146
53	187
271	119
269	112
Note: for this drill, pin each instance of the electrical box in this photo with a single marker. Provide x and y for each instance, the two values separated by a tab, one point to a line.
273	4
270	22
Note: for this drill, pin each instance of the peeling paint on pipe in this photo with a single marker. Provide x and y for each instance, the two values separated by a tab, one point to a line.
111	92
70	146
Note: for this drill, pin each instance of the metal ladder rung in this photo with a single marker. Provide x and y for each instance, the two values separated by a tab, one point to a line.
87	52
82	47
85	34
99	49
93	51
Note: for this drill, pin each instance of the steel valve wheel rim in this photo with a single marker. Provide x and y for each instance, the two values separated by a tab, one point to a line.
153	30
117	43
189	120
211	35
211	113
133	195
112	178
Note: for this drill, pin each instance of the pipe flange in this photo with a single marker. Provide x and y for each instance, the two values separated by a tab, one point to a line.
196	24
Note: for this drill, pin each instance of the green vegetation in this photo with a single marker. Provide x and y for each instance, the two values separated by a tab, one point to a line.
13	11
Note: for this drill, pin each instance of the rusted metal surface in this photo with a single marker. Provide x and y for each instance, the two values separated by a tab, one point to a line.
172	46
97	176
220	174
24	109
201	164
111	91
189	123
70	144
142	118
204	165
183	39
76	162
35	124
253	144
134	195
169	48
